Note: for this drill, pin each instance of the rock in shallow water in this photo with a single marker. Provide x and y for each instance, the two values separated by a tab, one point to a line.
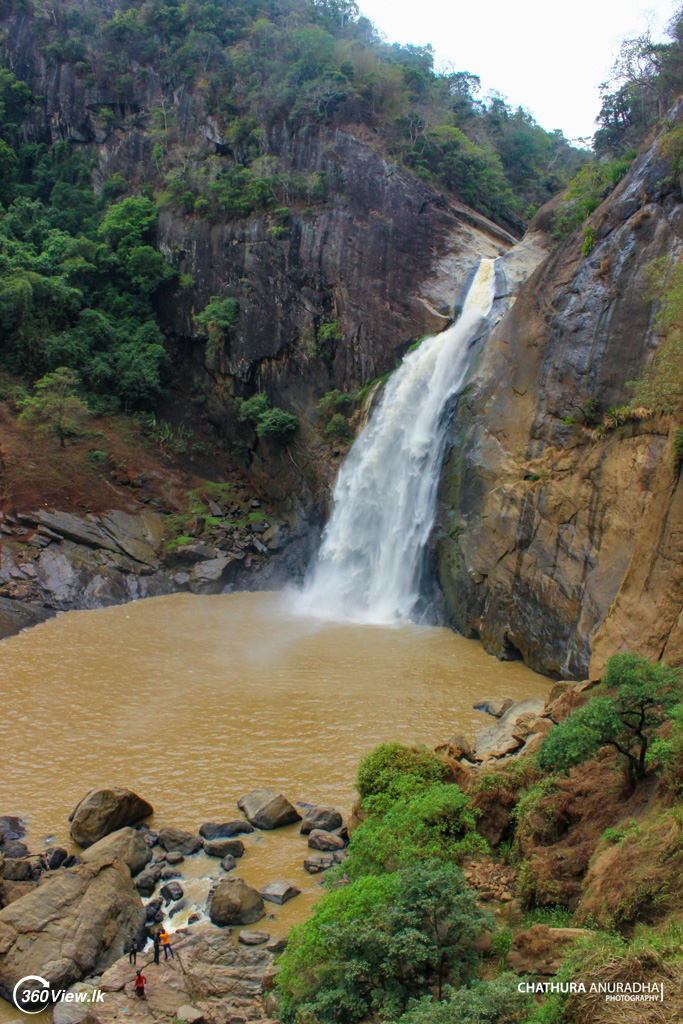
210	830
179	840
321	840
103	811
266	809
224	847
279	892
326	818
234	902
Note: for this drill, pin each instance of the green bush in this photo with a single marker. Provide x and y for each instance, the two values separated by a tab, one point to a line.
277	425
249	409
338	428
371	946
494	1001
394	769
436	824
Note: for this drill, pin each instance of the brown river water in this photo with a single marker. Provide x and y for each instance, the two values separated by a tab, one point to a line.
193	701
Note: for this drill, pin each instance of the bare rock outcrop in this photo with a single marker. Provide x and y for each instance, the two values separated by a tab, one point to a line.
75	924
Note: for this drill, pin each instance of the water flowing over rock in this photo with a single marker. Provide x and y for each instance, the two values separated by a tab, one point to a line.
370	565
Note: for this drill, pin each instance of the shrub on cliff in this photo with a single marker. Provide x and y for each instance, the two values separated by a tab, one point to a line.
373	945
396	769
634	700
56	407
437	823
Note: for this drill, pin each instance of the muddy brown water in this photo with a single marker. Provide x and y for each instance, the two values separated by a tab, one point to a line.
193	701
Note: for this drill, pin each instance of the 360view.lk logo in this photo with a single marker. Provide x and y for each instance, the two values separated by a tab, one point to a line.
33	994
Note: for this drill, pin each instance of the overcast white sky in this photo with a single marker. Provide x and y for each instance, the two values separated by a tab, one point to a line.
548	56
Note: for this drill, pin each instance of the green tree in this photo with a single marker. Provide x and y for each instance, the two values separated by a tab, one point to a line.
494	1001
374	944
634	700
56	406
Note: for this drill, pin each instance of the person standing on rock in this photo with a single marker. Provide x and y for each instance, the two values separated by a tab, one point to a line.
133	953
166	943
139	984
157	947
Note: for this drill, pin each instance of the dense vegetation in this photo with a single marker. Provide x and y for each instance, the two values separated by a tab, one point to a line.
263	65
396	937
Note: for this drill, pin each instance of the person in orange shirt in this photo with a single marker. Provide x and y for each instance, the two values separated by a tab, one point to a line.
166	943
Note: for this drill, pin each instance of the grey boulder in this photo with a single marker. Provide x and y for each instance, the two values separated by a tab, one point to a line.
179	840
267	809
279	892
325	818
223	847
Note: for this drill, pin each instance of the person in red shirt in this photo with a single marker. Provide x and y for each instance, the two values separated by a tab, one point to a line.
139	984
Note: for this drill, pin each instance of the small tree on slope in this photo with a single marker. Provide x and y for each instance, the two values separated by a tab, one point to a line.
635	698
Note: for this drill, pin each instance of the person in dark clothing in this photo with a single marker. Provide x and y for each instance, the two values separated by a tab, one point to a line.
139	984
157	947
133	953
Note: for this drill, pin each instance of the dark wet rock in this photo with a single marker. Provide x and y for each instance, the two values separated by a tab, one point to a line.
54	857
146	882
223	847
279	892
168	873
339	856
103	811
326	818
17	615
13	848
267	809
11	828
321	840
22	869
317	863
171	892
249	938
277	946
180	840
153	908
234	902
228	862
177	908
210	830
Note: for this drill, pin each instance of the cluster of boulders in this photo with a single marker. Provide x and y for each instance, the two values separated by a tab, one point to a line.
69	917
520	727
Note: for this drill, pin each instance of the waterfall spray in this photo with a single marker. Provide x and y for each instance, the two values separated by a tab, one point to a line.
371	560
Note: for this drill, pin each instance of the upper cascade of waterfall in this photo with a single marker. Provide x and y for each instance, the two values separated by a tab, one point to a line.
370	564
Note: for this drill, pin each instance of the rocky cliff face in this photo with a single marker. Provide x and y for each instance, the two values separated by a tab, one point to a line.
554	545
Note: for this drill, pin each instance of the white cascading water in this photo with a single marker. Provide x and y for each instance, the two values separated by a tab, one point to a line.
370	563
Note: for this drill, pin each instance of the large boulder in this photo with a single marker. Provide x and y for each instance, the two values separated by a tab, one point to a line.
325	818
76	924
234	902
126	845
103	811
180	840
266	809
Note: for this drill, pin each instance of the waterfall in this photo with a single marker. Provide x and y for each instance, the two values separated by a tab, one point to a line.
371	559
